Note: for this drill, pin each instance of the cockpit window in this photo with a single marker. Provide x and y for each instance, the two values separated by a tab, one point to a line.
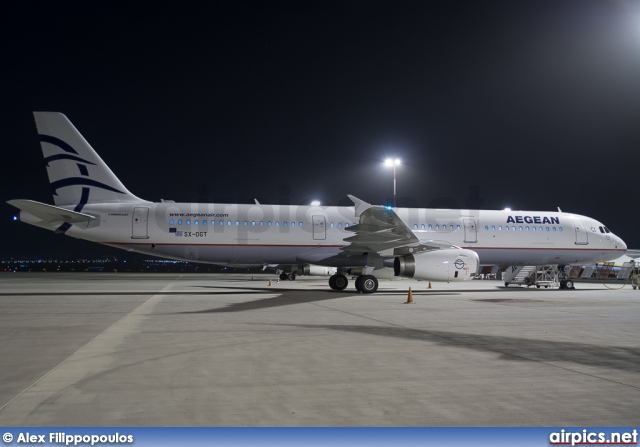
607	230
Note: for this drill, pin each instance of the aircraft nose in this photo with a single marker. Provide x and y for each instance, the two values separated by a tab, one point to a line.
622	245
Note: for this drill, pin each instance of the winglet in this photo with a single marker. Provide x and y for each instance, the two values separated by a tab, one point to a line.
361	205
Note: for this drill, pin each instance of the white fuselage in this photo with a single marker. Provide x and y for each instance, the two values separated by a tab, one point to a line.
233	234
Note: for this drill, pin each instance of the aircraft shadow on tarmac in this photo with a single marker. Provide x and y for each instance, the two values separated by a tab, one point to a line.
509	348
290	296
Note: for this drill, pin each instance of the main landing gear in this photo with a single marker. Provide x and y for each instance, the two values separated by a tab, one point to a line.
287	276
364	283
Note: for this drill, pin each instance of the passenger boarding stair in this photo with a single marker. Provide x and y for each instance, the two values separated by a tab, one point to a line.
531	275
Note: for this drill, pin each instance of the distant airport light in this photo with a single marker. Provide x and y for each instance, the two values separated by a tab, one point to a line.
507	209
315	203
15	218
393	162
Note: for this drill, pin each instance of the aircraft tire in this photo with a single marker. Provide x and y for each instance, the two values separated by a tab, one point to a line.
359	284
339	281
569	284
291	277
368	284
283	276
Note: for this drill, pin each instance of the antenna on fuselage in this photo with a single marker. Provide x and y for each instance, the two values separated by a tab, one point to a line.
559	210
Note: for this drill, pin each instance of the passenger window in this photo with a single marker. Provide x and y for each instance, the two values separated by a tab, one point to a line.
268	223
195	222
293	224
339	224
493	227
415	226
486	227
261	223
188	221
204	222
284	224
500	228
300	224
171	222
548	229
554	228
253	223
526	228
533	228
245	223
560	229
179	221
506	227
331	224
229	223
422	226
237	223
437	226
430	227
520	227
277	223
458	227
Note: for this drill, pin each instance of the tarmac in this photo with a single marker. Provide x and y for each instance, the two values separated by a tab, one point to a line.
127	349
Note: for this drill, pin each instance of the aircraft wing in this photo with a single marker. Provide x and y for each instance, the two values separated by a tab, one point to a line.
50	213
381	229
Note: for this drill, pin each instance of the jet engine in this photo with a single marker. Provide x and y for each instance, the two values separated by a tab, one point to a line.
451	264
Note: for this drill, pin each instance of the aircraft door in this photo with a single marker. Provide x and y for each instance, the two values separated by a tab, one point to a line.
582	237
319	228
470	229
140	223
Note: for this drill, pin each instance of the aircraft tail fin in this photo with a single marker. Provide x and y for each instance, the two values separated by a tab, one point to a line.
76	172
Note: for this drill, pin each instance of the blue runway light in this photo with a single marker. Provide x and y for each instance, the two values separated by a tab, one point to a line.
389	207
15	218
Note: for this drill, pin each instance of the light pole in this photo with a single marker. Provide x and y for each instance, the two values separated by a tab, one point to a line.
394	163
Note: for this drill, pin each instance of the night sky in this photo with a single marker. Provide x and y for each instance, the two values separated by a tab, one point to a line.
526	104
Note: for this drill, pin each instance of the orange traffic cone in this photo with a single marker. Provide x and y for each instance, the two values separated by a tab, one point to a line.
409	297
270	283
430	287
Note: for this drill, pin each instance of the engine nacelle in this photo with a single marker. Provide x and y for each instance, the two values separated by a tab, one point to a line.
451	264
317	270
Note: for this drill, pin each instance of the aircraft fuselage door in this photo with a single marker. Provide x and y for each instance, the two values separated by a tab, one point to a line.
470	229
140	223
319	228
582	237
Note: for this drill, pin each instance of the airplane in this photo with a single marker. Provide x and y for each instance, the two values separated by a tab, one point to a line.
353	241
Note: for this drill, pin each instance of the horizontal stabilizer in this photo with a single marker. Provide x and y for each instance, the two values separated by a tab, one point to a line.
50	213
